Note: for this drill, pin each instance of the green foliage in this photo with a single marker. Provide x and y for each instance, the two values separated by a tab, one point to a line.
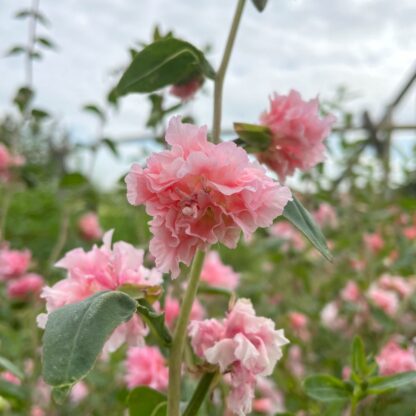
9	366
254	138
144	401
76	333
296	213
260	4
325	388
163	63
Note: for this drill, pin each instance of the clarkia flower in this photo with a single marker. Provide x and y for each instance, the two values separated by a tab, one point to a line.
244	345
200	193
298	134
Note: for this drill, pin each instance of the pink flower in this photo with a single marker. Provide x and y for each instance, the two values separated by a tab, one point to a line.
386	300
298	320
330	317
7	161
374	242
346	373
13	263
24	286
37	411
10	377
79	392
89	227
243	344
216	273
270	401
200	193
298	134
291	236
295	362
187	90
326	215
394	359
358	265
146	366
103	268
396	283
172	309
410	232
351	292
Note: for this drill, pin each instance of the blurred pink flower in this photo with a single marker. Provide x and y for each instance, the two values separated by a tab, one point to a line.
216	273
245	345
270	401
374	242
187	90
13	263
37	411
331	318
410	232
10	377
89	227
298	320
298	134
394	359
286	232
200	193
146	366
326	216
358	265
386	300
79	392
24	286
346	373
351	292
172	309
396	283
8	161
295	362
103	268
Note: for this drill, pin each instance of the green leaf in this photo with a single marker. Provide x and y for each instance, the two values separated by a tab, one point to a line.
326	388
46	42
260	4
297	214
75	335
11	391
9	366
205	289
39	114
16	50
23	98
163	63
358	358
40	17
378	385
144	401
94	109
35	55
73	180
111	145
155	320
255	138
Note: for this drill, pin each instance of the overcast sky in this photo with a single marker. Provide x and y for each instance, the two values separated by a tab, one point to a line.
310	45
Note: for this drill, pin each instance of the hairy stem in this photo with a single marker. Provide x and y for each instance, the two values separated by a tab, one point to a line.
219	79
179	337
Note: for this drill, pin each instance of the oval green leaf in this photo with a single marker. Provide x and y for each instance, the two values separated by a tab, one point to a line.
325	388
378	385
75	335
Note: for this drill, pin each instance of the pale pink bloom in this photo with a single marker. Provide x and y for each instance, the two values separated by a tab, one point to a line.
396	283
298	320
146	366
37	411
298	134
358	265
330	317
89	227
200	193
386	300
326	216
8	161
374	242
103	268
28	284
245	345
346	373
13	263
187	90
351	292
286	232
295	362
10	377
79	392
270	401
216	273
410	232
172	309
394	359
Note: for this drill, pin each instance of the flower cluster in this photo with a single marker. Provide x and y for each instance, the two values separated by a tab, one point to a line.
298	133
200	193
103	268
14	266
243	345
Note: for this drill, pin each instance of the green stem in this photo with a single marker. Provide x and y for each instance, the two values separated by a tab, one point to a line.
179	337
219	79
7	198
199	394
353	408
61	240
